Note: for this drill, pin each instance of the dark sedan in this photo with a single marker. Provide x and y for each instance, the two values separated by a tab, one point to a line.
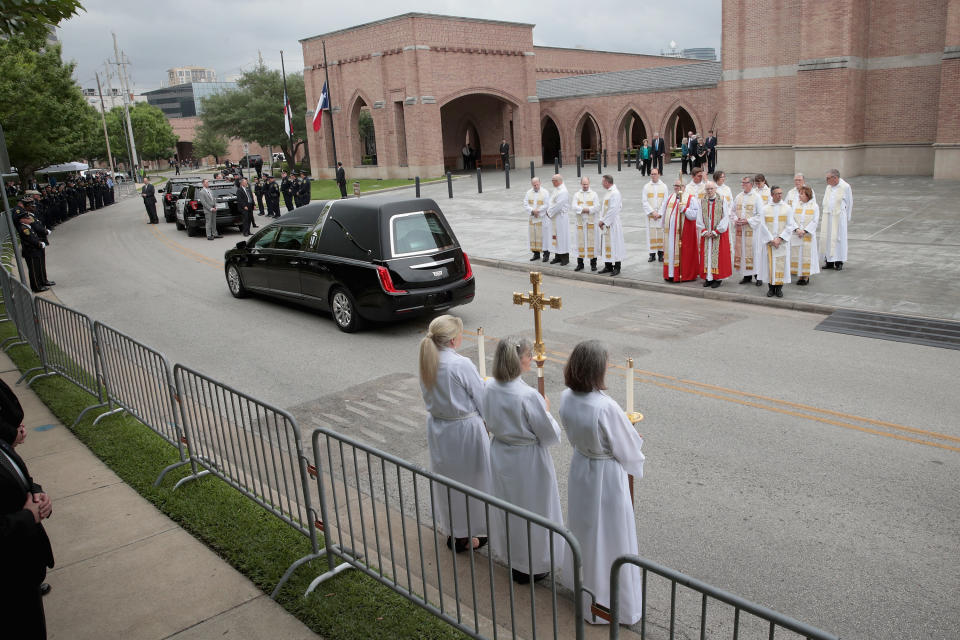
361	260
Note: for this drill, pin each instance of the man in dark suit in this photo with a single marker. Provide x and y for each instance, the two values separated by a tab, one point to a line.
150	200
711	145
657	150
245	206
342	180
27	553
504	153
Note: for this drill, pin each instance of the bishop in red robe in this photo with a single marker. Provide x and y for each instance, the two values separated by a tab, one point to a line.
712	223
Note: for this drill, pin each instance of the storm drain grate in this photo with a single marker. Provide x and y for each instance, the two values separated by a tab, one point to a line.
883	326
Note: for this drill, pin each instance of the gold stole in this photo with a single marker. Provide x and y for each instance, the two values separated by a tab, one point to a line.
536	225
743	241
776	257
677	231
585	220
712	243
800	247
656	233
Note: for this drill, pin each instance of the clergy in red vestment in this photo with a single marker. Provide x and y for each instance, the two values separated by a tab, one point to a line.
712	224
681	255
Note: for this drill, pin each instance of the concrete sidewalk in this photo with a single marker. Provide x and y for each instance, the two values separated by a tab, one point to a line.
123	569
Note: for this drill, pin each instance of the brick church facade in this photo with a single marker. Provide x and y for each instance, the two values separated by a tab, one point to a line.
866	86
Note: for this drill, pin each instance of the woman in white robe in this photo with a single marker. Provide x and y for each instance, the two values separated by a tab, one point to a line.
606	448
458	441
804	257
523	474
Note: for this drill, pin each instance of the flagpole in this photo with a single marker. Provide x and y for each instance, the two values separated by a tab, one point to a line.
286	107
326	73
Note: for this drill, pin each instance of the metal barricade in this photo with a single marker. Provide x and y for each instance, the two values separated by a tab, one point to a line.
379	514
139	380
5	287
765	621
25	319
69	349
253	447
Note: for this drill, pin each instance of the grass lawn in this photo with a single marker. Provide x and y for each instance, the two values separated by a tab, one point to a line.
328	189
350	606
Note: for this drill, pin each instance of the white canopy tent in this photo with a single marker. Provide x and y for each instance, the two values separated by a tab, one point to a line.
66	167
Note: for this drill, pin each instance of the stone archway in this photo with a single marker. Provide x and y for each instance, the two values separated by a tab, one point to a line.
363	141
589	138
550	140
483	119
679	124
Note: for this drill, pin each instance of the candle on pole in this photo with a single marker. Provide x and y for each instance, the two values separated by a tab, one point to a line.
633	416
537	302
481	355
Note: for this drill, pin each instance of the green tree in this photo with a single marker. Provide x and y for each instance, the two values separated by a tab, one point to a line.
367	133
254	111
207	142
33	18
152	133
44	116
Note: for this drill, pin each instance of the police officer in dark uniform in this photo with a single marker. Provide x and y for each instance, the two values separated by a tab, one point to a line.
88	191
285	189
258	191
342	180
294	189
304	193
71	194
31	246
272	193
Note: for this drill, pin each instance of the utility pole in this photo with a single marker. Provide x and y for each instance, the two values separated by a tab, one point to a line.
123	129
121	69
103	119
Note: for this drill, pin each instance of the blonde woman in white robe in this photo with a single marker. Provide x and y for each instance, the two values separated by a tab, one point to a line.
606	448
458	441
523	474
804	257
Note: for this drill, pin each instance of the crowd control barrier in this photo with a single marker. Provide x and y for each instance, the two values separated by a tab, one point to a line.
69	349
765	621
139	380
379	514
253	447
24	315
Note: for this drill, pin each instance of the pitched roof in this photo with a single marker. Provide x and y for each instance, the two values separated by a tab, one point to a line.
684	76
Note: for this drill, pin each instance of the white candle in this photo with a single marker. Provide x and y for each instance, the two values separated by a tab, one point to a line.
629	385
481	355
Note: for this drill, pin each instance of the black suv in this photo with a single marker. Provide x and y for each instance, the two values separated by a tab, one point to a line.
171	193
367	259
255	158
190	214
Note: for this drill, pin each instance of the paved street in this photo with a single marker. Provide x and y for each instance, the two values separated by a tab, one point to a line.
812	472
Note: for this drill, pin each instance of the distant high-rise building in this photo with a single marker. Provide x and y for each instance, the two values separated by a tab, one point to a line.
111	98
701	53
185	75
185	100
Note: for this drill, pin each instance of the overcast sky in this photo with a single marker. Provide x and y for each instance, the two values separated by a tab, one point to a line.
227	35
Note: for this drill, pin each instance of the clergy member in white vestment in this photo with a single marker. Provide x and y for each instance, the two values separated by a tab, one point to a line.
611	228
523	474
804	258
834	217
599	510
458	441
745	217
557	211
681	254
697	186
653	195
586	205
760	183
794	194
724	191
535	204
774	231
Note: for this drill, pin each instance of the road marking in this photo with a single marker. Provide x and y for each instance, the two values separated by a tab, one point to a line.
179	248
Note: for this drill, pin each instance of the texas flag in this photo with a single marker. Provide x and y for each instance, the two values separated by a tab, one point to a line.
324	103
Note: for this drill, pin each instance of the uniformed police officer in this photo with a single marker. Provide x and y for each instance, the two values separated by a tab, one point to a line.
304	193
272	194
31	246
286	187
258	191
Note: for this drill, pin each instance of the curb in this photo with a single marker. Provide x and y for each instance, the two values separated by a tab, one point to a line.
806	307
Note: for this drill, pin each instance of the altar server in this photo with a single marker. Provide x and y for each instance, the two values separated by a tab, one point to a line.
606	448
522	468
458	442
535	204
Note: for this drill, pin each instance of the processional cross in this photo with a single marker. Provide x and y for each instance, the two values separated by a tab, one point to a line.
537	302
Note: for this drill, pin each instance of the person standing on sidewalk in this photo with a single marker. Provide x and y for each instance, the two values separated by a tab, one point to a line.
27	551
209	204
150	200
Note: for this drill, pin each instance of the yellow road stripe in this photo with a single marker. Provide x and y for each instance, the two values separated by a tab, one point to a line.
179	248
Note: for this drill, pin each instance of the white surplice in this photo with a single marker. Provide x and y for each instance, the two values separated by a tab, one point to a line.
523	473
535	204
599	511
611	236
673	208
458	442
804	254
776	221
586	206
557	211
835	214
744	242
793	197
653	195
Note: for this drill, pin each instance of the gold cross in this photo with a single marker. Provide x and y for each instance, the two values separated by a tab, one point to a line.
537	302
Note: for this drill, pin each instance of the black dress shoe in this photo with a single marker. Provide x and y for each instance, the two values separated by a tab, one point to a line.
716	284
746	279
828	265
838	266
556	259
659	256
536	256
49	283
209	237
520	577
218	236
707	283
652	257
579	266
45	588
759	282
546	256
778	291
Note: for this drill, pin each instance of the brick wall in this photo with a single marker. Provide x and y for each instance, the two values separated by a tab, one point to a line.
557	62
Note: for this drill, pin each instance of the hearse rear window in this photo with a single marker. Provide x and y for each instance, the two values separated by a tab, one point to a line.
418	232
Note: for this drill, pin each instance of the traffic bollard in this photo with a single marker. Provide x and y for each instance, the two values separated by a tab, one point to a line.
556	164
416	182
449	185
618	161
531	170
479	180
506	174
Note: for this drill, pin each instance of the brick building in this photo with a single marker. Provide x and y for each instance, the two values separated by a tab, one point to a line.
867	86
